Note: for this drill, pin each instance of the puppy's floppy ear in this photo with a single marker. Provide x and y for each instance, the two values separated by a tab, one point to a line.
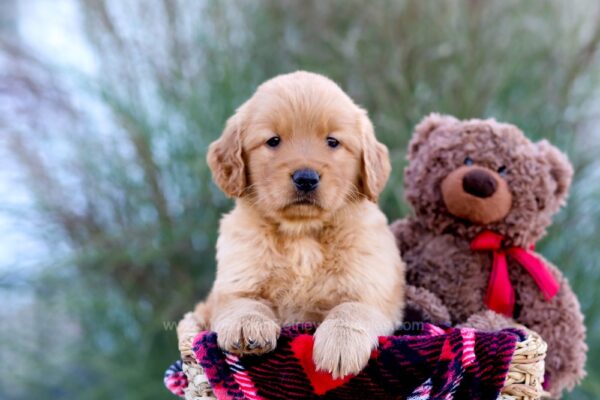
560	169
375	169
225	158
424	128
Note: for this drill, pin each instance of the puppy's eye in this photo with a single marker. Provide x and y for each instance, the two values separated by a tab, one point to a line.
502	170
274	141
468	161
332	142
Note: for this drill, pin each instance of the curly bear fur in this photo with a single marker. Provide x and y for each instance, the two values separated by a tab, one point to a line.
435	243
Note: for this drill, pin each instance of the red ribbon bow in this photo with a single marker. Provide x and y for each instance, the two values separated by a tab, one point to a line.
500	295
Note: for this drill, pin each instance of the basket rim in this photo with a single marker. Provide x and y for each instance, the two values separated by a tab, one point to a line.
523	380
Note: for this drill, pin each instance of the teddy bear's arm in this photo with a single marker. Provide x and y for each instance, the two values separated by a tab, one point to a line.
560	323
424	306
489	321
408	233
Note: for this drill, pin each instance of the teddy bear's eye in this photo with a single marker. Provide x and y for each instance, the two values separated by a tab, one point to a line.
502	170
468	161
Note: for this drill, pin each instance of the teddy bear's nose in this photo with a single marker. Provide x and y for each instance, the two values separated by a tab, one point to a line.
479	183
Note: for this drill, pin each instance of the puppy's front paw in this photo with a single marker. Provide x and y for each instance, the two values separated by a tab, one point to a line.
342	349
247	334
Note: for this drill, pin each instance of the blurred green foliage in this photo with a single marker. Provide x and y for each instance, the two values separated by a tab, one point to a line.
115	162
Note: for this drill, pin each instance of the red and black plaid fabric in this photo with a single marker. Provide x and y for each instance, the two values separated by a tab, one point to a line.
428	362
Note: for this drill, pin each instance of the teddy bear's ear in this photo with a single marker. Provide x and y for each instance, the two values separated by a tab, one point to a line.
424	128
560	168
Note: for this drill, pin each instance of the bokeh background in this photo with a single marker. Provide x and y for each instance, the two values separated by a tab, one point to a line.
107	211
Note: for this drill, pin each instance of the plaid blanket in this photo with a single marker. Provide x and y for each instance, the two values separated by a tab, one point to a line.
422	362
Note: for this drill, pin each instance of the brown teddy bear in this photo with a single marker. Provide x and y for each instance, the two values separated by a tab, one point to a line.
483	194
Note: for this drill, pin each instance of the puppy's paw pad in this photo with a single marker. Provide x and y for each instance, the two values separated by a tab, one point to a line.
341	349
248	334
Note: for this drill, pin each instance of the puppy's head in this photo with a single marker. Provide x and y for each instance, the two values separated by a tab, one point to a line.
299	148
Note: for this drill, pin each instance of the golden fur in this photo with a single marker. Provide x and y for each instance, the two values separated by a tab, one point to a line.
331	260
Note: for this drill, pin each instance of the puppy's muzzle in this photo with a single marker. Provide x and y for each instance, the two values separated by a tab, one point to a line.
305	180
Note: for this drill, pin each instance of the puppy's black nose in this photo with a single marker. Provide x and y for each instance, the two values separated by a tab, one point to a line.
306	180
479	183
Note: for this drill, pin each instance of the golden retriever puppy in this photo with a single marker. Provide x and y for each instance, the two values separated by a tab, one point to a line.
306	240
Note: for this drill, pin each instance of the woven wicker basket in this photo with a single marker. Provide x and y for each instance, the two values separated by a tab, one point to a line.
523	381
